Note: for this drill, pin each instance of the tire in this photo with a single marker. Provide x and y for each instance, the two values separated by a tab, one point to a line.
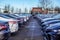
48	37
6	36
52	38
44	36
4	39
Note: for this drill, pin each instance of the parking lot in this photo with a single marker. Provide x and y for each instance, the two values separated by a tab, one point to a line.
29	20
31	31
30	27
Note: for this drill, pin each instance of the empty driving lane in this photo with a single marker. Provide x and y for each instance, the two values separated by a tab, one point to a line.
31	31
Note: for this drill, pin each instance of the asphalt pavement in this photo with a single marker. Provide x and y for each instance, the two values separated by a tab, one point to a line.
30	31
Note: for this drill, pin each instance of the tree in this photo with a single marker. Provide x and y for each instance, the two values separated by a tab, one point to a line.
45	3
12	9
26	10
19	10
57	8
7	9
30	10
0	10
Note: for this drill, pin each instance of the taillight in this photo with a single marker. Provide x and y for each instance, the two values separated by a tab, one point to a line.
12	22
3	27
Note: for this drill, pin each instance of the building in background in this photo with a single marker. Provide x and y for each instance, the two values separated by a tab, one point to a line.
36	10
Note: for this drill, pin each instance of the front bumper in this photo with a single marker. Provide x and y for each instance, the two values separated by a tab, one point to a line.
56	36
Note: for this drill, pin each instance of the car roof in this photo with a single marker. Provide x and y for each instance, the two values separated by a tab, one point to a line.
48	19
10	16
51	22
4	16
4	19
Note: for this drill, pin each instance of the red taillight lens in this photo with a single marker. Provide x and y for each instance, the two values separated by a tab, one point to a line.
12	22
2	27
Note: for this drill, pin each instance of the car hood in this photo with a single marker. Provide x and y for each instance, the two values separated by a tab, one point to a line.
51	22
54	26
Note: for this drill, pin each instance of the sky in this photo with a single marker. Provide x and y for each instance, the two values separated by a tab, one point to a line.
19	3
24	3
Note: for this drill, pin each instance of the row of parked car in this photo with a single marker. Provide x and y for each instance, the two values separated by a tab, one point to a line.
50	24
10	23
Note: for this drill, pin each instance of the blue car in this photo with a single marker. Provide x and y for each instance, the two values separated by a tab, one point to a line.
4	30
46	24
53	31
48	19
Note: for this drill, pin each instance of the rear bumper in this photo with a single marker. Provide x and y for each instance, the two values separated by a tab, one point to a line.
4	34
1	36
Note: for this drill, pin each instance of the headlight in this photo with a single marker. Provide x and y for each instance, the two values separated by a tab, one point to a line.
24	19
58	30
55	30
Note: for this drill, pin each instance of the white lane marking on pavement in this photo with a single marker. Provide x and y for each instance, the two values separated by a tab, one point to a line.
32	32
32	35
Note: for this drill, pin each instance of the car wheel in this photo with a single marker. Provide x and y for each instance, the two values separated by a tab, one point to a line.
6	36
45	38
4	39
48	37
53	38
